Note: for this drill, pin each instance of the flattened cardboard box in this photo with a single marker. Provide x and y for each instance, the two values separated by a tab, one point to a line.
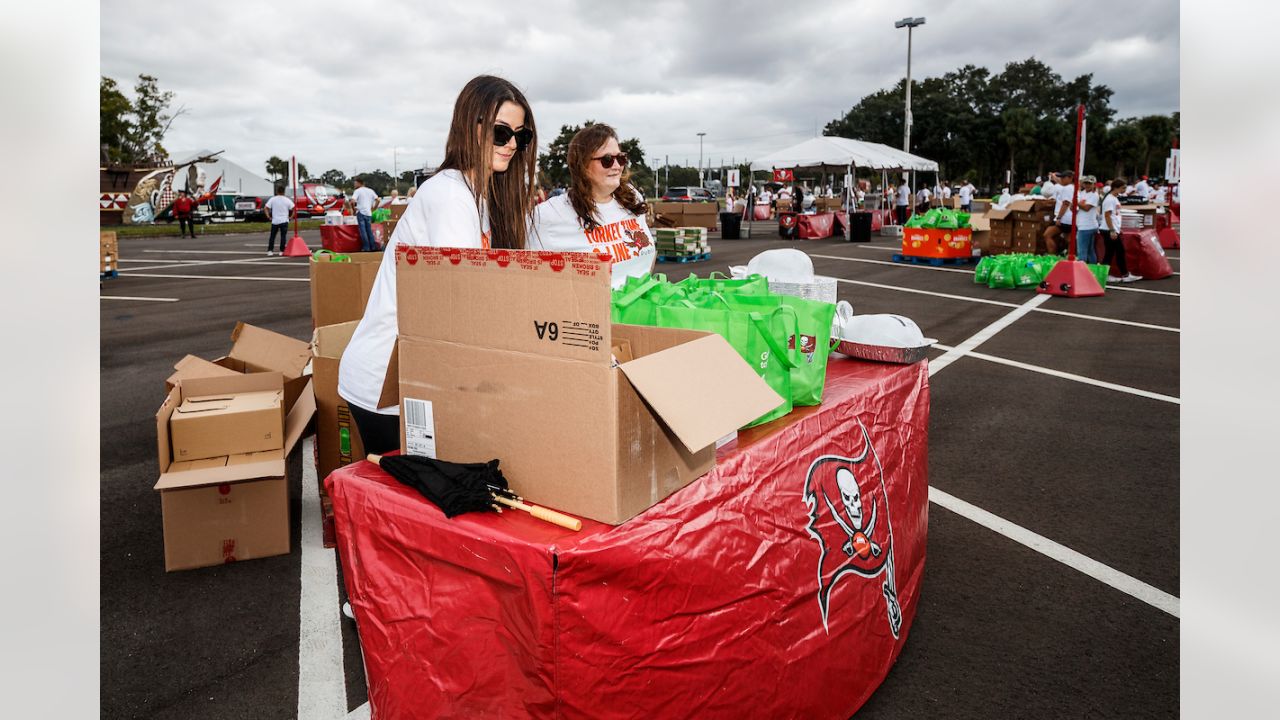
513	362
340	290
337	440
236	507
253	349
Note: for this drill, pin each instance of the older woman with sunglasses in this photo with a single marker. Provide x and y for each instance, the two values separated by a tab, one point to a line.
602	212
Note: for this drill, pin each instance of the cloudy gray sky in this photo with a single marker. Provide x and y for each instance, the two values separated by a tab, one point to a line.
351	85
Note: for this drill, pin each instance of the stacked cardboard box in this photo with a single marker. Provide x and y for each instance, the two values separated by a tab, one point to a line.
682	242
528	377
110	250
223	435
340	290
685	214
828	204
1020	227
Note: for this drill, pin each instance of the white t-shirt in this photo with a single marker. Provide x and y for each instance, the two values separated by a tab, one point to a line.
1110	204
1161	195
622	235
441	214
1142	188
923	196
966	194
946	192
278	208
766	196
1088	219
904	194
1063	197
363	197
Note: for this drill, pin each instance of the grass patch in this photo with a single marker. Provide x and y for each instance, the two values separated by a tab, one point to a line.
166	229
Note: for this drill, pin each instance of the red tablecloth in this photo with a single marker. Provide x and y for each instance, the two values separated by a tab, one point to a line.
816	226
753	592
346	238
761	211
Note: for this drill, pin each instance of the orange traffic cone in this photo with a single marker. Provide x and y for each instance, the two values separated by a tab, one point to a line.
297	247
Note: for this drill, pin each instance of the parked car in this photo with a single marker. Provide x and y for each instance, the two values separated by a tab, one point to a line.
689	194
313	199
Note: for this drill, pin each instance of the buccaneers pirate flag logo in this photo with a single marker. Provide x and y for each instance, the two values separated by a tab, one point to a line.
849	517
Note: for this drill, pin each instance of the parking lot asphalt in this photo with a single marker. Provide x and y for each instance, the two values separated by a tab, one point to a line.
1063	425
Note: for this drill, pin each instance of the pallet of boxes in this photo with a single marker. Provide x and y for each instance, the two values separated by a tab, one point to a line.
224	434
667	214
1019	228
682	244
109	253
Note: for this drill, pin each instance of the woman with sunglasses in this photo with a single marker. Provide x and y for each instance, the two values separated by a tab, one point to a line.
480	198
602	212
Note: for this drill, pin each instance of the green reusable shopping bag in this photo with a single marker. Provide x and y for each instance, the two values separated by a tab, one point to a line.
758	337
755	284
982	273
1100	272
323	255
1002	273
380	215
945	219
812	340
637	301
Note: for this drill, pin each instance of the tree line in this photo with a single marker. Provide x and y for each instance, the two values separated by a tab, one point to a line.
979	125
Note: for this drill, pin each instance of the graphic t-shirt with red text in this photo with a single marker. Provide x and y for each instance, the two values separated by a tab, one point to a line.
622	235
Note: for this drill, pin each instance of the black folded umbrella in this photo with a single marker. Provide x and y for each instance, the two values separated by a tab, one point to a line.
455	488
458	488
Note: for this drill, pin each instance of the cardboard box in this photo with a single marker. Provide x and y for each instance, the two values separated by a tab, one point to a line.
220	510
337	440
936	243
233	415
523	372
109	251
397	209
254	349
704	215
340	290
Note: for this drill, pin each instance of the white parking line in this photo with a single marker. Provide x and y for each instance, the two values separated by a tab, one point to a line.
985	301
214	277
207	252
964	348
322	683
146	299
1114	578
1066	375
1127	584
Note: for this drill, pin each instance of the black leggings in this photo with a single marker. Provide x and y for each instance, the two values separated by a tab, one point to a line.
378	433
1113	245
185	225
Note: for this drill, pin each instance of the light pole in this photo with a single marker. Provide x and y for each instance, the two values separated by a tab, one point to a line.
700	158
909	24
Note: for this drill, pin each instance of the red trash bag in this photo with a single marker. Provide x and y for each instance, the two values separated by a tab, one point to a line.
1143	254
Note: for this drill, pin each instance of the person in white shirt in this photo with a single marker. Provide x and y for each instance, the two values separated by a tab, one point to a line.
946	193
902	201
482	197
365	200
1112	246
966	195
1143	189
922	200
1062	213
602	212
1161	194
1087	220
1005	198
279	209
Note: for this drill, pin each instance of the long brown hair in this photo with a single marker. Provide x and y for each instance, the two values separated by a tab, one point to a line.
584	144
469	150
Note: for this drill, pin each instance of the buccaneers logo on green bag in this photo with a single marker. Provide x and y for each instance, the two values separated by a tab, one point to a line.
849	517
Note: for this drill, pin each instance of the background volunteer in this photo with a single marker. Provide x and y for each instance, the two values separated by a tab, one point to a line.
365	200
446	211
1087	220
1110	229
279	208
602	212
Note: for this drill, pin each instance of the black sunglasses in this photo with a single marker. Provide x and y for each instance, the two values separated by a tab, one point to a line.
607	161
503	134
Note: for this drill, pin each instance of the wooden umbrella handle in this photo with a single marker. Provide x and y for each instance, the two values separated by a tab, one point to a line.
375	459
555	518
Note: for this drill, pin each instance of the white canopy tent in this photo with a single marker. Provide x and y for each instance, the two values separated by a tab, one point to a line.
834	153
837	154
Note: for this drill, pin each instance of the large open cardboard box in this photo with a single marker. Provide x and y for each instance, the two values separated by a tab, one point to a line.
340	290
511	355
253	349
234	507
